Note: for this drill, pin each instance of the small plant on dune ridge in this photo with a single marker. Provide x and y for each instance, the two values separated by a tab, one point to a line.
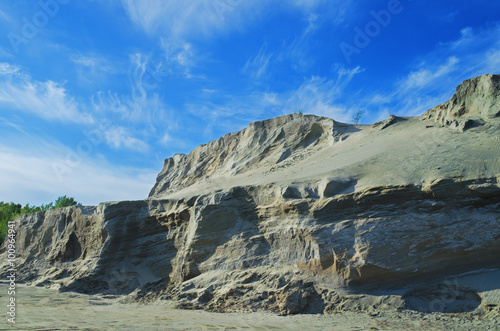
357	117
299	111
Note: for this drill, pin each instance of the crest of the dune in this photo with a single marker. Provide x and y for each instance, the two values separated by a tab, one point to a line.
269	143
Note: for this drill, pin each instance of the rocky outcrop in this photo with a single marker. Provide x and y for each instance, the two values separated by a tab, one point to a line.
387	122
313	216
229	252
476	100
267	143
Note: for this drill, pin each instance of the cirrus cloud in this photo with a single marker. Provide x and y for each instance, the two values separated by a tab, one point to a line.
48	100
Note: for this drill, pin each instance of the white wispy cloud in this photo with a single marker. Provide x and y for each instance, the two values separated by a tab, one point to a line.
51	101
428	75
142	103
233	112
312	20
89	182
257	65
119	137
308	4
475	49
179	56
48	100
296	51
431	82
180	19
5	17
184	18
94	69
437	74
178	23
491	61
316	95
322	96
128	110
7	69
94	63
139	117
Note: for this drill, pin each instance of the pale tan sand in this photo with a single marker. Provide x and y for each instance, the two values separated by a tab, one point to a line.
39	308
421	152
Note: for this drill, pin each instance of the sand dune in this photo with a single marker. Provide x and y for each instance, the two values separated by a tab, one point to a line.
389	226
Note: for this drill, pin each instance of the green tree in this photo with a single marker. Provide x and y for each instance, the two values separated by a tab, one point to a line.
64	201
9	211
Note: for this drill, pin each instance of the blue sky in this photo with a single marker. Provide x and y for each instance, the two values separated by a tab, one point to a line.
94	95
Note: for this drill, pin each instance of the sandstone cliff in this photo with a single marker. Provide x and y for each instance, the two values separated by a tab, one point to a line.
475	101
300	214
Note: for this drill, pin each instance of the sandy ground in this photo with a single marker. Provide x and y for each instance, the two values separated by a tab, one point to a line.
39	308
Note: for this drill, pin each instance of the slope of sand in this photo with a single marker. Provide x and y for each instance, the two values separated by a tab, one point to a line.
39	308
411	151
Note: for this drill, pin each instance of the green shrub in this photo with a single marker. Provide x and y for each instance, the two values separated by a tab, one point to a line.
357	117
9	211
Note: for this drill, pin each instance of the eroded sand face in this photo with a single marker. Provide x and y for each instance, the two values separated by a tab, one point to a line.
40	308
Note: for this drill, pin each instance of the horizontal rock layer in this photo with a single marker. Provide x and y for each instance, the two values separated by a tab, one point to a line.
264	238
